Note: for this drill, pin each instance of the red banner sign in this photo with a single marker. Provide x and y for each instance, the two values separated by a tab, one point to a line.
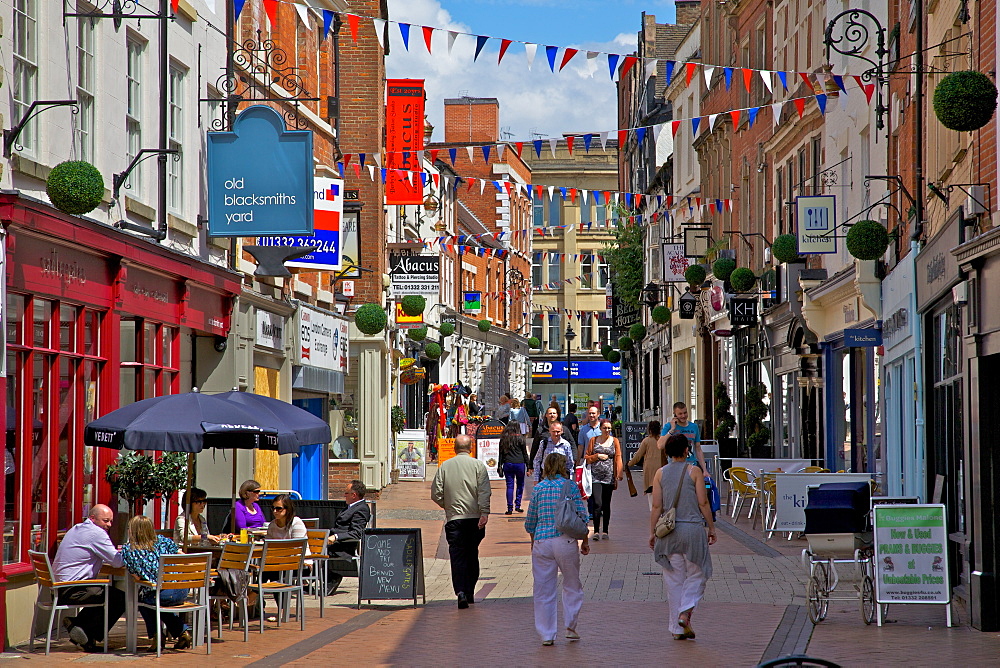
404	136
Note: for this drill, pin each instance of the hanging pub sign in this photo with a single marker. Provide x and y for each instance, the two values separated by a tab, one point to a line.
743	312
817	221
623	315
413	274
688	302
260	177
404	136
675	263
697	240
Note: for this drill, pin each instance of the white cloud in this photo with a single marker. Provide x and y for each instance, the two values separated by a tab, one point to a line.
535	101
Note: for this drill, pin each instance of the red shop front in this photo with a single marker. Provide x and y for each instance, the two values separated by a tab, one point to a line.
95	319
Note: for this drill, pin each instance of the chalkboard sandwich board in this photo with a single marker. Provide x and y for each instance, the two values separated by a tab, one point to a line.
391	566
632	435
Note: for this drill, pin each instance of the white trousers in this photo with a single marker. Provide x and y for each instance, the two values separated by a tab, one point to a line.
685	586
548	557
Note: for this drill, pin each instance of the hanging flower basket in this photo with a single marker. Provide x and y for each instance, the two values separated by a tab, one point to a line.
413	305
660	314
965	101
637	332
484	325
625	343
742	280
534	343
785	248
723	268
370	319
447	329
432	351
417	334
695	275
75	187
867	240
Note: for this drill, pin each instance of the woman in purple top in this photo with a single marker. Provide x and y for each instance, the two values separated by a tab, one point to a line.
248	513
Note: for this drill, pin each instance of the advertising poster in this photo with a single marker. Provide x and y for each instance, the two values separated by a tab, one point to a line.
404	136
415	274
911	554
488	446
411	453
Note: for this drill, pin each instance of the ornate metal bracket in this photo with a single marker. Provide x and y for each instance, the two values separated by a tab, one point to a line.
118	180
38	106
854	39
119	9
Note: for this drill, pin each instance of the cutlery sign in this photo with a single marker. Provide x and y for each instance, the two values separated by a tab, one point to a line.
743	311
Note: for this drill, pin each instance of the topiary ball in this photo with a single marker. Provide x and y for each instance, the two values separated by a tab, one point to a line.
660	314
723	267
484	325
606	350
867	240
370	319
965	100
625	343
534	342
413	305
418	333
637	332
432	351
695	275
785	248
75	187
614	357
447	329
742	280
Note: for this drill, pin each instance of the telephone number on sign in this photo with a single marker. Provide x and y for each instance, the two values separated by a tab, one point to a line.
323	246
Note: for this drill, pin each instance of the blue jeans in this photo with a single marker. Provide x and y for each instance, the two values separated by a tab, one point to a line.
512	473
175	626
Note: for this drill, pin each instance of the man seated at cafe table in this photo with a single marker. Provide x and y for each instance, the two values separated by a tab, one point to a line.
81	554
348	527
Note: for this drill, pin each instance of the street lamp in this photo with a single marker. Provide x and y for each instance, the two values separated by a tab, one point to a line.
570	335
651	294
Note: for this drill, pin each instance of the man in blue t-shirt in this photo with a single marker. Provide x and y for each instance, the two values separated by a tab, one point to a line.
679	424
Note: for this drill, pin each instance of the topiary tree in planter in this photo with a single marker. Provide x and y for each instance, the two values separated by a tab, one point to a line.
614	357
785	248
413	305
758	436
625	343
535	343
637	332
370	319
418	333
724	421
723	268
660	314
433	351
965	101
742	280
867	240
606	350
397	419
447	329
695	275
484	325
140	479
75	187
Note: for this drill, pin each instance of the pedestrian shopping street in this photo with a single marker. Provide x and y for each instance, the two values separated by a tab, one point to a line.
753	610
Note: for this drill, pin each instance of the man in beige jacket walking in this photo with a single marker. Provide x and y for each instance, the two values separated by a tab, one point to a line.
462	487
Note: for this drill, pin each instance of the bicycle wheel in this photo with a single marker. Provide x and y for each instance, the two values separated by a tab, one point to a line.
868	599
817	598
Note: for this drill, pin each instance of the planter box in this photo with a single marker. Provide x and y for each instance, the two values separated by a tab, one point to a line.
761	452
728	448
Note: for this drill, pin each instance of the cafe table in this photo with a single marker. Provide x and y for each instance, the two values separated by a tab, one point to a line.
131	606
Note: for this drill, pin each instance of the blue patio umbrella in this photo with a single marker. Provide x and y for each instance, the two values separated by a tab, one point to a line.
306	427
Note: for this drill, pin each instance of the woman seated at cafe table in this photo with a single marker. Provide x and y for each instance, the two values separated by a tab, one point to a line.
196	524
248	512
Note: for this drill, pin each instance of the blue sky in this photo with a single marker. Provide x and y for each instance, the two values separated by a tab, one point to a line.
533	102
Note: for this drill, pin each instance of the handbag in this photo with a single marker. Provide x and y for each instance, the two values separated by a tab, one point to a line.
668	520
568	521
585	479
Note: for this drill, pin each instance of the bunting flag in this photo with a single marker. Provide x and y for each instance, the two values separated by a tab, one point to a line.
238	7
404	31
669	70
327	22
428	34
550	53
567	56
352	23
480	43
800	106
747	76
729	77
630	61
271	9
504	45
174	5
689	73
529	51
452	36
867	88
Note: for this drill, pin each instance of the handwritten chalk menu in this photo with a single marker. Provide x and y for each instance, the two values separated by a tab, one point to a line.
632	435
391	566
911	554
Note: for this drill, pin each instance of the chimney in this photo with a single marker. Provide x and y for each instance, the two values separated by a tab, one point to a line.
687	11
472	119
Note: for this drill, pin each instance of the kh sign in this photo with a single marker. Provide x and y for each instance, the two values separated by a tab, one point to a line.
743	312
260	177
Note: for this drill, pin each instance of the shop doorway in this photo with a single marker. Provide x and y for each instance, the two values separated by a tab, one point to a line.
309	468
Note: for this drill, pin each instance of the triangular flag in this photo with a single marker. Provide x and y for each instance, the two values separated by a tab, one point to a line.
328	21
569	143
550	53
821	101
695	122
486	153
657	129
689	72
404	31
776	110
839	80
586	142
604	141
805	77
800	105
735	115
640	134
673	128
729	77
553	143
669	70
452	153
765	76
480	43
380	32
504	45
302	10
519	146
708	71
650	69
500	149
752	114
271	8
377	157
434	156
622	139
568	54
538	147
711	121
783	76
592	62
868	89
238	7
747	77
529	51
470	150
428	34
627	65
452	36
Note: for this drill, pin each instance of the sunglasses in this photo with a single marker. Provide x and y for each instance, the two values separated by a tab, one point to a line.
277	508
253	491
200	501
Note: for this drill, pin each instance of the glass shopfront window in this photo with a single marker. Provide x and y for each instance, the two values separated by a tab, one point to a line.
148	360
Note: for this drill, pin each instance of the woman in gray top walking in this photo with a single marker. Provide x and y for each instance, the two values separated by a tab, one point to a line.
683	553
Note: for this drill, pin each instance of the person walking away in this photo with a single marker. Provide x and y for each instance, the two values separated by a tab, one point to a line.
513	465
679	424
683	554
531	407
604	454
248	512
84	549
552	552
519	416
572	424
652	459
141	556
555	442
345	535
462	487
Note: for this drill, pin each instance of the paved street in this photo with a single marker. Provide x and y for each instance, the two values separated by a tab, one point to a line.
753	609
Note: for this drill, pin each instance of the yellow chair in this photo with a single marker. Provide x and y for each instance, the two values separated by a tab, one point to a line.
236	556
47	582
744	483
184	571
285	558
815	469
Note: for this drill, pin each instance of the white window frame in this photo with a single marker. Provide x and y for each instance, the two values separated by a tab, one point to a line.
134	50
554	324
175	132
25	75
86	84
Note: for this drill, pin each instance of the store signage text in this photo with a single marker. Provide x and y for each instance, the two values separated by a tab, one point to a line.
67	272
896	323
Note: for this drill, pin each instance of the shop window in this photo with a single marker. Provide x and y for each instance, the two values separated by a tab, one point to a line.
15	318
12	469
148	355
41	313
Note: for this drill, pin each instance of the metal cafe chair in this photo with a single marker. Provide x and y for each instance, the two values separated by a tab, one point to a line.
47	583
184	571
285	558
236	556
319	555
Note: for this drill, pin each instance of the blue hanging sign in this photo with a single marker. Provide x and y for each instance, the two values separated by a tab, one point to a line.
260	177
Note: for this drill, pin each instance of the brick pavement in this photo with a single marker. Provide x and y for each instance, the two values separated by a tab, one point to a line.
753	608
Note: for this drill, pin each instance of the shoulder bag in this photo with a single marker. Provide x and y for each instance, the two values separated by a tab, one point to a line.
568	521
668	520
